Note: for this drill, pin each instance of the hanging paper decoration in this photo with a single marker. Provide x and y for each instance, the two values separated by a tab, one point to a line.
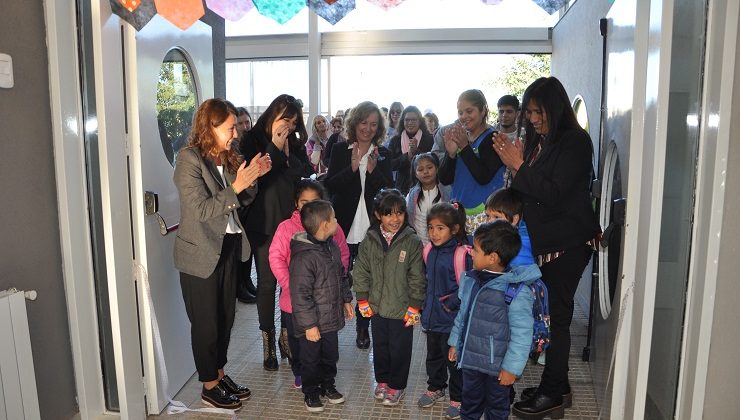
181	13
330	1
232	10
334	12
386	4
492	2
139	17
280	11
551	6
130	5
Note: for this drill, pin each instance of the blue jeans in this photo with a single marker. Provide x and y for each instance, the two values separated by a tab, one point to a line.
482	393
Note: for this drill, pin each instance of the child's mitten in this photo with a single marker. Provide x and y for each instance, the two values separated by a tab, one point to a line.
412	316
365	310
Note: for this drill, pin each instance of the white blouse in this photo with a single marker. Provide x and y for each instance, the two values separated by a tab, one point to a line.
420	218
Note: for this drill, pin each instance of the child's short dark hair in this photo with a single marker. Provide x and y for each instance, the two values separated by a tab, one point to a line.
315	212
450	214
309	184
500	237
507	201
389	200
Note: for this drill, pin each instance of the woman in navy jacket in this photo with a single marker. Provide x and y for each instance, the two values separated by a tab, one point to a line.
553	173
411	139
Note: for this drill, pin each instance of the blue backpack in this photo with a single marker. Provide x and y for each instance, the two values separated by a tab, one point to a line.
540	312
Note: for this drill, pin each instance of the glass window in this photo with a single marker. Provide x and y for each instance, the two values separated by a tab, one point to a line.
176	103
579	107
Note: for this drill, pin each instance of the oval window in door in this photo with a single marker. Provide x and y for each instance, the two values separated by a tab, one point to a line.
579	107
612	215
176	102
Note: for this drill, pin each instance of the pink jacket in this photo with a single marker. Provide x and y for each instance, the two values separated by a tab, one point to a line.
279	255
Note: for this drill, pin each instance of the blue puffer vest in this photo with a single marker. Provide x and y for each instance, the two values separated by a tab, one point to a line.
490	335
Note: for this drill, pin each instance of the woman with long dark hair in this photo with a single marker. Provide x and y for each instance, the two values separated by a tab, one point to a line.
553	174
213	182
412	138
280	133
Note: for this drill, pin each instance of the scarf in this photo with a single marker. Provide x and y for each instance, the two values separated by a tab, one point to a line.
405	140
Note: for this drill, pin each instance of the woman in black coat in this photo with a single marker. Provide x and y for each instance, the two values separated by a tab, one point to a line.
358	169
411	139
553	174
280	133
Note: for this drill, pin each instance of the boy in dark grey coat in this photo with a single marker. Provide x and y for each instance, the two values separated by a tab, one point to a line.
321	296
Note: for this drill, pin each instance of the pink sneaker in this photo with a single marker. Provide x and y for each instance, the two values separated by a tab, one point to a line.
393	396
380	391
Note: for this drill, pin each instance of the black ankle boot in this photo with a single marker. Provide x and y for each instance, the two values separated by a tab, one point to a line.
528	393
538	407
284	346
268	351
363	338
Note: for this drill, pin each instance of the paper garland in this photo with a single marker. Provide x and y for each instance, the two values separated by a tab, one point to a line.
385	4
334	12
140	16
232	10
280	11
551	6
181	13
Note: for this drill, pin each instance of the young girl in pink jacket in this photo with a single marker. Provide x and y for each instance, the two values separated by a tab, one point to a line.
307	190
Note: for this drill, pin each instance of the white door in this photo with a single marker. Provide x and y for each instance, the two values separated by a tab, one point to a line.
172	72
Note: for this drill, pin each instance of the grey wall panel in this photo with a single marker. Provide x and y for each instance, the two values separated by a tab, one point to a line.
218	25
723	381
576	62
31	250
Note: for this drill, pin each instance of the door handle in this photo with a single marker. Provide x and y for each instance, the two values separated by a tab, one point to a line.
151	207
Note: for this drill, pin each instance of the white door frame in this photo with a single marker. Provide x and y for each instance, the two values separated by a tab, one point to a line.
68	140
723	20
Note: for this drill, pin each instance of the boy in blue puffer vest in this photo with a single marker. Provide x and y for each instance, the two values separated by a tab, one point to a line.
490	338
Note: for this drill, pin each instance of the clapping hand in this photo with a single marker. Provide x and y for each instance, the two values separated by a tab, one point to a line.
372	161
265	163
455	139
511	154
355	157
280	134
247	175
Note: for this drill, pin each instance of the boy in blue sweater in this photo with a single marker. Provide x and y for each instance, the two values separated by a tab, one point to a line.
490	338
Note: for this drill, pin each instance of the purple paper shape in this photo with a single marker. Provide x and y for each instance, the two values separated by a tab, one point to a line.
385	4
551	6
139	17
334	12
492	2
280	11
232	10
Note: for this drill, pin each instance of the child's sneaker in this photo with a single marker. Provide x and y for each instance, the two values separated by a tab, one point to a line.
333	395
453	411
313	403
428	398
380	391
393	396
297	383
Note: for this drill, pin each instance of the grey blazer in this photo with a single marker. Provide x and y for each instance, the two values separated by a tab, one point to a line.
205	205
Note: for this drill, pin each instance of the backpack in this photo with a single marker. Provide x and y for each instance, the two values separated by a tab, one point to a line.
458	259
540	312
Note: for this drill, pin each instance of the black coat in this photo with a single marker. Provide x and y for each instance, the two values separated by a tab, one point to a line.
275	200
400	161
556	192
319	285
345	187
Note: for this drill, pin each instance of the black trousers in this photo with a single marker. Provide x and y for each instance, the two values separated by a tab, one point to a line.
244	285
266	282
360	322
484	394
392	343
438	365
293	343
210	304
319	362
561	276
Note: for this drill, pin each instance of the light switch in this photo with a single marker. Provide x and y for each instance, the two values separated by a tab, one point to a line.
6	71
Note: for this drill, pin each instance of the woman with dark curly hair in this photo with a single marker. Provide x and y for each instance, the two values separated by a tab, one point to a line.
280	133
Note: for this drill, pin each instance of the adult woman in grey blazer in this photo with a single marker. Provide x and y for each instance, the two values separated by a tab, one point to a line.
213	183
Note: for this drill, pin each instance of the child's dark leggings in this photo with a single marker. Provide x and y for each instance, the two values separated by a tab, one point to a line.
438	365
295	348
392	351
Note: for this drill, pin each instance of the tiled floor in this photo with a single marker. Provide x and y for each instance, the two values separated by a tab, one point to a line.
273	396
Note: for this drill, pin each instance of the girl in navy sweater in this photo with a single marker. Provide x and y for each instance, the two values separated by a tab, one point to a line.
446	257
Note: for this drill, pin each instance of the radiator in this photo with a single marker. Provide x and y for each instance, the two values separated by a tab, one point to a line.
18	396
